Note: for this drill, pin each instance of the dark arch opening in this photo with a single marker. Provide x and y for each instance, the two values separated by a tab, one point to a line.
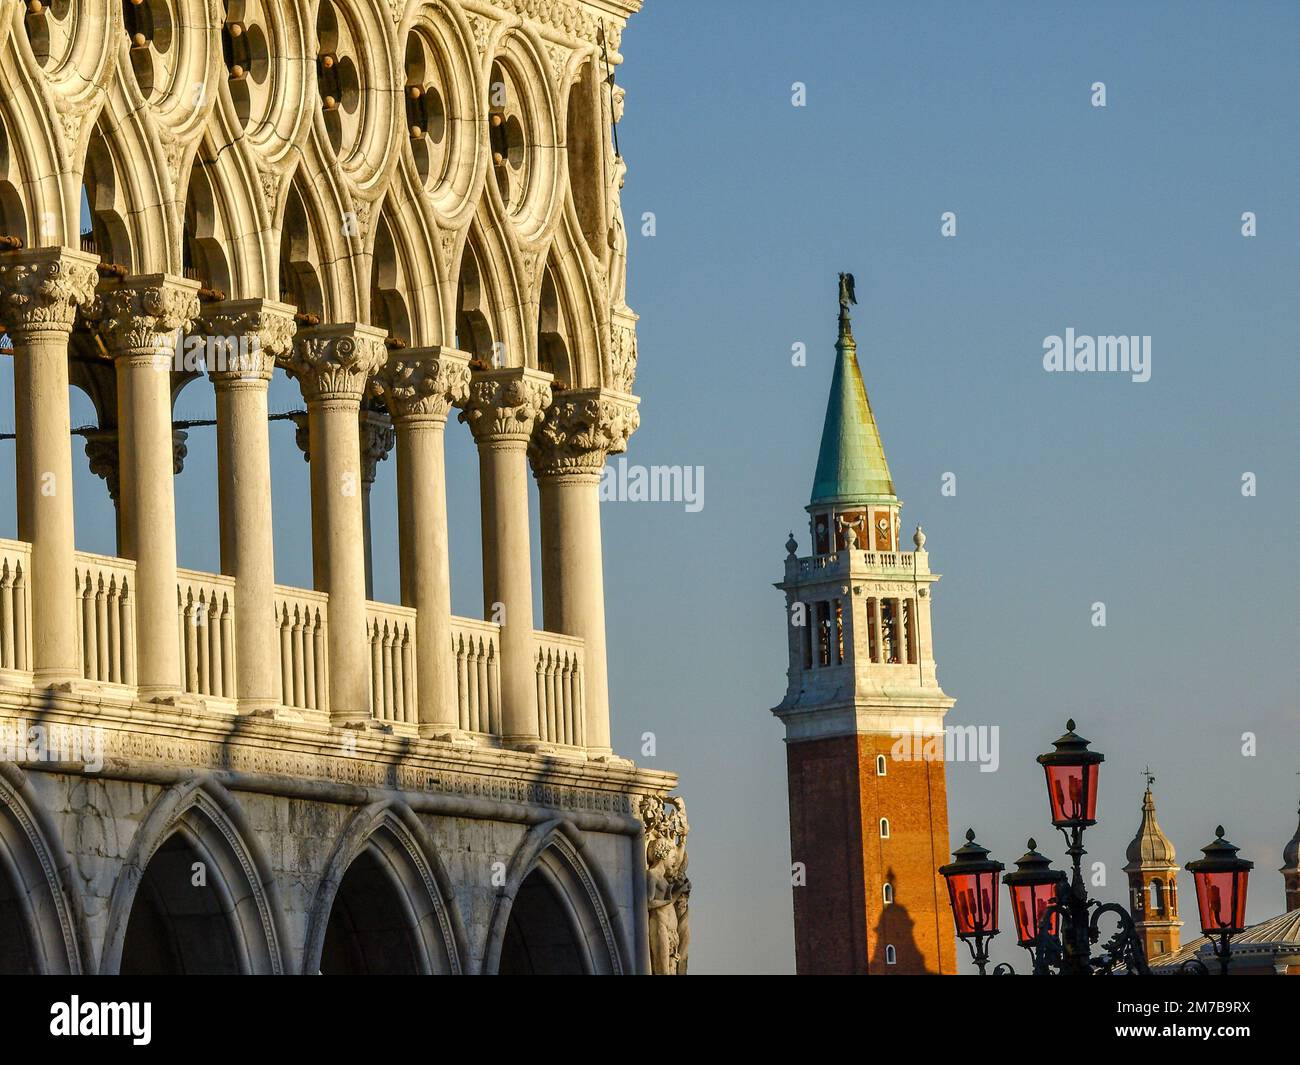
369	930
299	282
539	939
179	927
552	333
473	332
17	955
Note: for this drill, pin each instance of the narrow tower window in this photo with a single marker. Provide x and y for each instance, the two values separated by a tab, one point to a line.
873	633
823	633
891	955
881	765
805	638
884	828
909	613
839	632
889	894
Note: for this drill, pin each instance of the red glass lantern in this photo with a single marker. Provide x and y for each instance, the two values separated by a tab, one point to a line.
1071	772
1033	887
1221	879
973	889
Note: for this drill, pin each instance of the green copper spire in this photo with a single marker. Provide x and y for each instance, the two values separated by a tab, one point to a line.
851	466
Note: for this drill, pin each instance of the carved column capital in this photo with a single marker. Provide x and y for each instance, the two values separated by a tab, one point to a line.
104	456
334	362
505	405
302	434
377	440
254	334
101	450
140	316
423	383
180	449
581	429
41	290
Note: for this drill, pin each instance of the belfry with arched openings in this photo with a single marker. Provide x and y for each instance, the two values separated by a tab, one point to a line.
401	211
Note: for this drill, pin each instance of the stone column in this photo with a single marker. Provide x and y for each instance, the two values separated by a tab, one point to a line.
568	454
332	364
376	434
501	410
40	292
139	322
421	386
257	333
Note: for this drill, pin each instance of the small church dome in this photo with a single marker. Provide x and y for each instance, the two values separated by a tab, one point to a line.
1291	853
1150	847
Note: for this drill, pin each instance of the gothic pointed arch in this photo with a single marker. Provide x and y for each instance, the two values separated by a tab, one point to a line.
207	232
321	235
42	925
484	319
385	903
226	222
555	914
404	291
13	179
168	915
304	252
569	313
128	193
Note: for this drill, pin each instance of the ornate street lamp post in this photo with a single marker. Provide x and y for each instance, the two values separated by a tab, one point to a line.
1034	887
1055	920
973	890
1221	878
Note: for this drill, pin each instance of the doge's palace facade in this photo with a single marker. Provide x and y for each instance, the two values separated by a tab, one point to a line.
411	208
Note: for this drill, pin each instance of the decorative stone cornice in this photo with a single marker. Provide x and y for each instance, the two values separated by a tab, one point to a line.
41	290
581	429
568	18
141	315
423	383
505	405
332	362
260	331
377	440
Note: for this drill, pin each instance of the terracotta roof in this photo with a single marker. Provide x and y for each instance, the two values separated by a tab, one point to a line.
1277	935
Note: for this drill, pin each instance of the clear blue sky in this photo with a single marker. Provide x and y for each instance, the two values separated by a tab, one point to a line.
1071	488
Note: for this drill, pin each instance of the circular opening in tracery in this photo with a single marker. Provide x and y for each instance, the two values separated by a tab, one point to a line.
246	55
150	29
339	79
49	28
426	109
508	136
